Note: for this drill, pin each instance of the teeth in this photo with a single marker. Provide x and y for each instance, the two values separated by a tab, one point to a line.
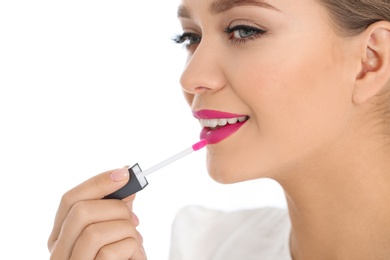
242	119
222	122
232	120
212	123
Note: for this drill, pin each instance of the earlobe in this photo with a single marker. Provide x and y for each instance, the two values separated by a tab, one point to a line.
374	74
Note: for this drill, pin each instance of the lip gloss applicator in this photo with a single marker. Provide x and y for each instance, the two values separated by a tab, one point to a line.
137	177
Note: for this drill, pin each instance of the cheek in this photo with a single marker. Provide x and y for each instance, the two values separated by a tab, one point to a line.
298	104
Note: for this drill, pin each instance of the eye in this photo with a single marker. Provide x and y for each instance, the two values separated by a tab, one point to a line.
242	33
187	39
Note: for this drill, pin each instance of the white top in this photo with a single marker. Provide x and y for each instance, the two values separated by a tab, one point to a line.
204	234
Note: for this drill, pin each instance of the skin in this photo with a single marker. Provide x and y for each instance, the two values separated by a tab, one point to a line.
319	125
318	104
87	227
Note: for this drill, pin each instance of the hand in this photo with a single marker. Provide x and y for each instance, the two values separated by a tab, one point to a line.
89	227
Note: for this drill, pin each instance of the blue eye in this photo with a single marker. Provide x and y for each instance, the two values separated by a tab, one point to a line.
187	39
241	33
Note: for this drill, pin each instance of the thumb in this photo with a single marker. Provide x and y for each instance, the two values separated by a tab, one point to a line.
95	188
119	175
103	184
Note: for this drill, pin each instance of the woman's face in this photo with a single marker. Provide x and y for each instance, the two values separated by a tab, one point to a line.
277	64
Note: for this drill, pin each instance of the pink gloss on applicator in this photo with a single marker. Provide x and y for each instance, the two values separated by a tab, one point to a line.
137	177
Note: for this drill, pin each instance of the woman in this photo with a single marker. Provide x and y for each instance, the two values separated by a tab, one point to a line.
305	85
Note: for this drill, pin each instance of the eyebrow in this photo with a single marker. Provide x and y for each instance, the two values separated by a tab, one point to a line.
220	6
183	12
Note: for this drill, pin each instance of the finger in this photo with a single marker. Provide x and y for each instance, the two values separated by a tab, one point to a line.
100	185
95	188
84	213
129	201
96	236
135	219
124	249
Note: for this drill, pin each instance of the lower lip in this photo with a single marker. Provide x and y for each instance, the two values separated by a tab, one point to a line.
216	136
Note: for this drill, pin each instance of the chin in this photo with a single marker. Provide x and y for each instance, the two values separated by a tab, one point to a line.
226	174
228	170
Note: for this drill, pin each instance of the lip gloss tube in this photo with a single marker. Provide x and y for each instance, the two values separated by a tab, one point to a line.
138	181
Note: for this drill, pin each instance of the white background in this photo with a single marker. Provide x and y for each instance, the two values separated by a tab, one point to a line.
88	86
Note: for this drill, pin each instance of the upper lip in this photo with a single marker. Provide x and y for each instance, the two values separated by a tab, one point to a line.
214	114
213	119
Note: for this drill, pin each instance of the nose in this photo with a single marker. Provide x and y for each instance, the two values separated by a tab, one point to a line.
203	72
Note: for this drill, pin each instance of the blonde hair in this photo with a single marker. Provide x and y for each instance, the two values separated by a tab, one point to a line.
352	17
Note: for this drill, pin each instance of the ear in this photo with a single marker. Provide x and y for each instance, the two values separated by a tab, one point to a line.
374	72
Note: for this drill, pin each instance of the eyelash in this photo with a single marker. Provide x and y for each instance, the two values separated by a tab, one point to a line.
190	38
254	33
193	38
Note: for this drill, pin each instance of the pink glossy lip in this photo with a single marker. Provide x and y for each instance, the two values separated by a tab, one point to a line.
217	135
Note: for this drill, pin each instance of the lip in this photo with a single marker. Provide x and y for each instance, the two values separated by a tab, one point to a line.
213	114
217	135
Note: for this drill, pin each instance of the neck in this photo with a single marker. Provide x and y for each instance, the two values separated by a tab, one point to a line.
339	203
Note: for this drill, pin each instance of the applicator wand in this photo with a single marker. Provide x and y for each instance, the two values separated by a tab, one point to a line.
137	177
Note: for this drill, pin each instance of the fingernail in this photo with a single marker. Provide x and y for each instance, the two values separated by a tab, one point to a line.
135	219
119	174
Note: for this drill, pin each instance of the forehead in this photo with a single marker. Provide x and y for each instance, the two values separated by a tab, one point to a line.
219	6
311	11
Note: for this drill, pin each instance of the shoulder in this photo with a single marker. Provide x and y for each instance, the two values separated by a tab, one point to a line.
202	233
266	218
